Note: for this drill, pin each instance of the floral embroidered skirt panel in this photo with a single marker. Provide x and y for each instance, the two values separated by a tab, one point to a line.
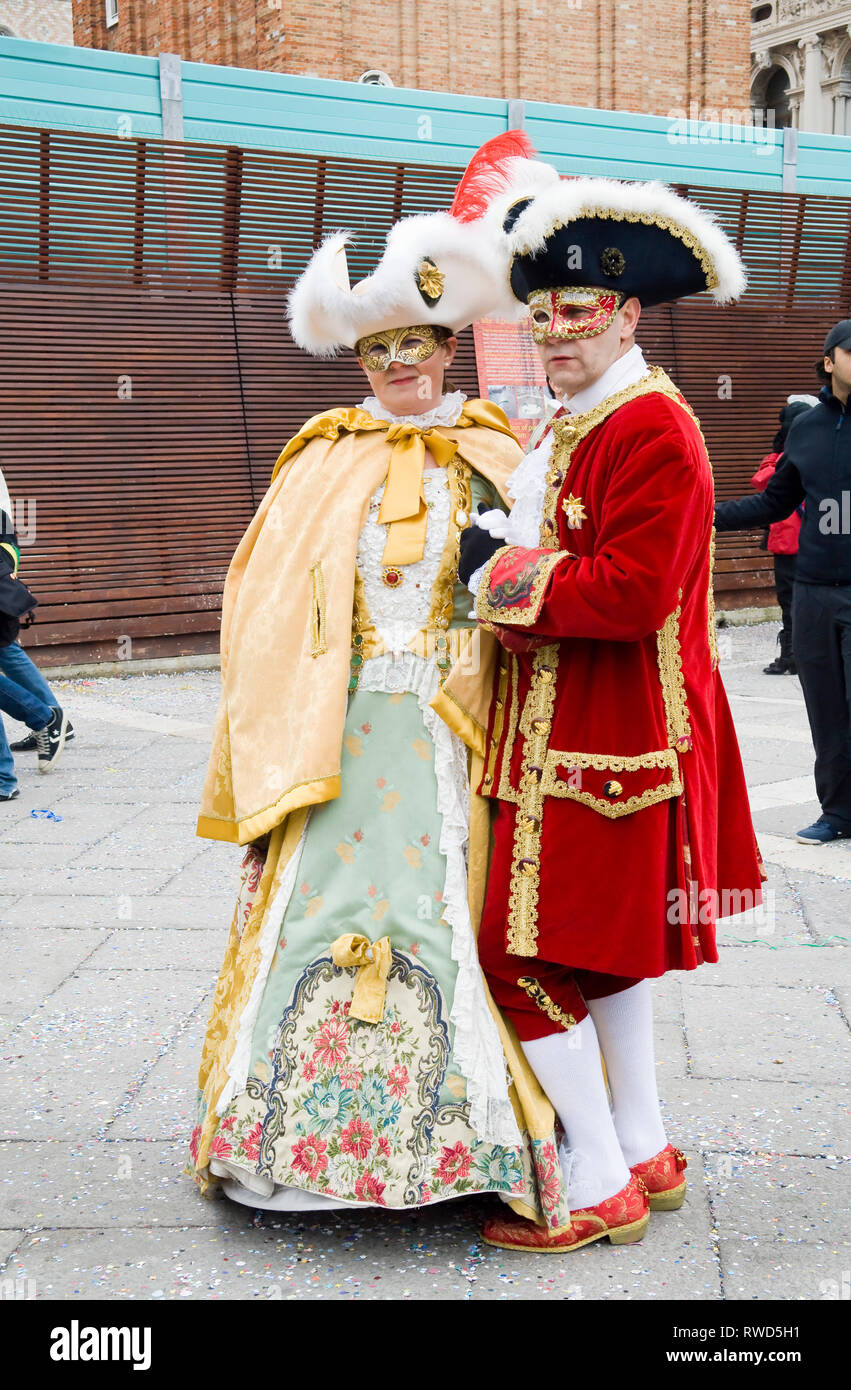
371	1113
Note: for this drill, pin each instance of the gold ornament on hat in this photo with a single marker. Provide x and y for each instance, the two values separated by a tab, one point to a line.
431	282
612	261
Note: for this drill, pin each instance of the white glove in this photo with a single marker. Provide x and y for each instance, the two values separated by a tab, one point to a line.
494	522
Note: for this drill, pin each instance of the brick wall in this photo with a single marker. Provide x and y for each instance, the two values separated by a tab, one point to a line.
43	21
645	56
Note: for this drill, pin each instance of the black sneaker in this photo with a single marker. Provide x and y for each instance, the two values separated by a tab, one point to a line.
9	796
51	740
28	744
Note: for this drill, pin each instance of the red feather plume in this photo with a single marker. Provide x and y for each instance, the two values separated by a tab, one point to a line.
485	175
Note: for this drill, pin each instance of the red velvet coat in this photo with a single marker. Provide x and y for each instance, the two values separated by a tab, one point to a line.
626	829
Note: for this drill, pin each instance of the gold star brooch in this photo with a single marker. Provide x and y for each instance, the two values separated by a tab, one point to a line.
574	511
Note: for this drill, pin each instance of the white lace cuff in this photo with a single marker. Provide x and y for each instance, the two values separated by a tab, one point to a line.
474	581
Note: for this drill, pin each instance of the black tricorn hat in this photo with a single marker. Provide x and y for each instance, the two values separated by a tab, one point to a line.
638	238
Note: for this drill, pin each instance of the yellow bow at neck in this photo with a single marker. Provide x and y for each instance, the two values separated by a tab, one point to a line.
403	506
374	959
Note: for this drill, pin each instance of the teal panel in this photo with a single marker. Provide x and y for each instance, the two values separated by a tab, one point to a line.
824	163
78	89
270	111
620	144
63	55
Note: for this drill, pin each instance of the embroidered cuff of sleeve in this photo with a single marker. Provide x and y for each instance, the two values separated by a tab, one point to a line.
511	592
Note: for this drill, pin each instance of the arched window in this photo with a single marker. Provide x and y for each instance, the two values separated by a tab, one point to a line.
842	126
777	98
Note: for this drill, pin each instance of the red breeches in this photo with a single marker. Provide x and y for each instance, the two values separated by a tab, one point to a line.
539	997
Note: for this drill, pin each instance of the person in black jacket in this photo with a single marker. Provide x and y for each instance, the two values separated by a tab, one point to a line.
816	469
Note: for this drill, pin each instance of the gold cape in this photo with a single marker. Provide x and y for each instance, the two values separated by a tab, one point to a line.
287	616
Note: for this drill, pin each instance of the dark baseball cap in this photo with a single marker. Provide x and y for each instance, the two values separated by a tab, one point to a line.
839	336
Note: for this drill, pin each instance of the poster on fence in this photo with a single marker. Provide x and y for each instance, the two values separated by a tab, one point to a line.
510	373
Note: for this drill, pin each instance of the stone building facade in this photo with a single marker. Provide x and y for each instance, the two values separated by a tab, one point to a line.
801	63
632	55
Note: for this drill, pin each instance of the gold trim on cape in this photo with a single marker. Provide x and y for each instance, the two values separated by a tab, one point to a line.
498	722
712	628
506	791
319	641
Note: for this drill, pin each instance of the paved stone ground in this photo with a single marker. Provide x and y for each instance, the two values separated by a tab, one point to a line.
114	920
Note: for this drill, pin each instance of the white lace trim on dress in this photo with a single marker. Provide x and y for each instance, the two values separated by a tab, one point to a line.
398	613
241	1059
447	412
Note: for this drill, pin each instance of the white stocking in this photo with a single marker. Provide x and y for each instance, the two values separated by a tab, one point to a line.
624	1024
568	1067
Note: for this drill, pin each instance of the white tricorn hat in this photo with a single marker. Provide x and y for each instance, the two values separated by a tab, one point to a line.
442	268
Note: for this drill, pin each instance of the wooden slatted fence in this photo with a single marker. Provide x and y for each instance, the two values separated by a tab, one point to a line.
148	380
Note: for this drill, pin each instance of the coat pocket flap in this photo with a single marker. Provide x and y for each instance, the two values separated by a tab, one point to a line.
612	784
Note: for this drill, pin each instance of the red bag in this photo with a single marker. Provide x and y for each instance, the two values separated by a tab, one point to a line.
782	535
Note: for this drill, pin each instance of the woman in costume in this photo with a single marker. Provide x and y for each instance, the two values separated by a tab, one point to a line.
353	1055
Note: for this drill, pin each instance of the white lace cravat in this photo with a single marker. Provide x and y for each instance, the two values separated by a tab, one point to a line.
527	485
446	412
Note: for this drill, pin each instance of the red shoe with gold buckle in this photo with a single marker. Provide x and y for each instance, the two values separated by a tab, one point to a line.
623	1218
661	1176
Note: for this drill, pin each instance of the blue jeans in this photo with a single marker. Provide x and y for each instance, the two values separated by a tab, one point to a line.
15	664
25	694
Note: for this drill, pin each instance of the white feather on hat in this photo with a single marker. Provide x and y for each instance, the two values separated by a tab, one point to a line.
327	313
466	246
567	200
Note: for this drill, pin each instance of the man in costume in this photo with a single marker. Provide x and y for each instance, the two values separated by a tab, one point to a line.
622	827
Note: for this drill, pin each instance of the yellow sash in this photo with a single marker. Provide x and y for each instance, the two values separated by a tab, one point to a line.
403	506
